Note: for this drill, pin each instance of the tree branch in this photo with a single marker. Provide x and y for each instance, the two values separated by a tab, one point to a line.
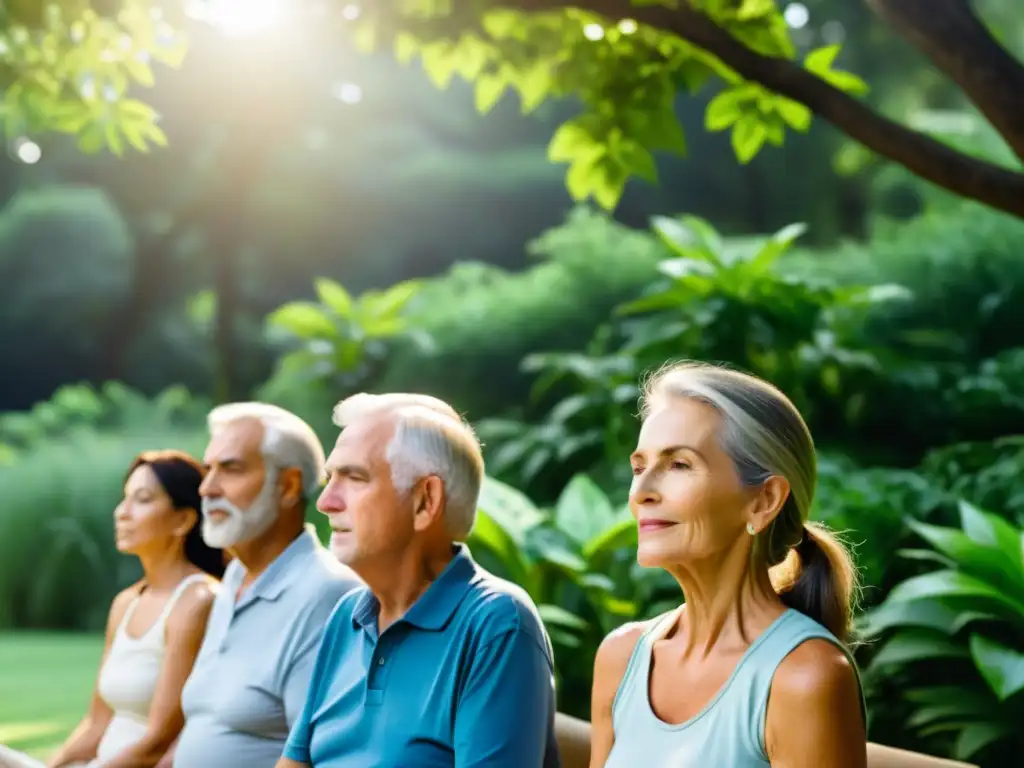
950	34
932	160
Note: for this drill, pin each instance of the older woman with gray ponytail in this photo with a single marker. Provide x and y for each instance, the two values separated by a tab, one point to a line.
723	479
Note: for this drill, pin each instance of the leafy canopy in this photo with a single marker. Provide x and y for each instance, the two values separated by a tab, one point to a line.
69	64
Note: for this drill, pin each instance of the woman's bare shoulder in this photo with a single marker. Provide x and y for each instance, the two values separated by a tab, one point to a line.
194	605
816	668
617	648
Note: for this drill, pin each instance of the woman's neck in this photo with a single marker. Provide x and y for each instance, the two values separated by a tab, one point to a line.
163	570
729	602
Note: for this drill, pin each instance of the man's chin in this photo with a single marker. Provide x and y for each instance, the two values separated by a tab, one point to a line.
341	546
220	539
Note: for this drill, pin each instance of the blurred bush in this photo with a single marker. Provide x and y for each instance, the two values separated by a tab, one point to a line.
484	320
65	265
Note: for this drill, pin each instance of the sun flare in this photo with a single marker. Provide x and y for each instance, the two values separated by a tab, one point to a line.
238	18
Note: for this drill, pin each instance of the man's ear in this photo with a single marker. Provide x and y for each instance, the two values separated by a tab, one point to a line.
289	483
429	502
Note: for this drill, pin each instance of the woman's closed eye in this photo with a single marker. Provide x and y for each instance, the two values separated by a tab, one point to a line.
680	464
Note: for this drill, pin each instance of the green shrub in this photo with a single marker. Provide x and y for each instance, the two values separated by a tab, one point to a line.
718	300
484	320
65	258
954	647
964	270
110	407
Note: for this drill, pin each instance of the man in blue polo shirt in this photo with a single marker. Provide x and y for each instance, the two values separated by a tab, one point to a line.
434	662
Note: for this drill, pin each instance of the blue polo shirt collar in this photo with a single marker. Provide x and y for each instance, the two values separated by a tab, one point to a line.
435	607
270	584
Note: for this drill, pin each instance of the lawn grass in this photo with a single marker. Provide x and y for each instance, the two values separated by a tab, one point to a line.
45	687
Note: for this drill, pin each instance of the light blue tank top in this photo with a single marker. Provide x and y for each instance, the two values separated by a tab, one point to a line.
729	731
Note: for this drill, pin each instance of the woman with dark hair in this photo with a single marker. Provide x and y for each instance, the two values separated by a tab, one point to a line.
155	627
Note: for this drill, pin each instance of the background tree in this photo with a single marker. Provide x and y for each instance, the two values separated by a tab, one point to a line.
68	66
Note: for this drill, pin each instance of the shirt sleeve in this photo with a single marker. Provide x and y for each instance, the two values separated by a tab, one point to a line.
297	683
299	703
507	707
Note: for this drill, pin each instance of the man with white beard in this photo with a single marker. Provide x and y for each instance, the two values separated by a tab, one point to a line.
250	679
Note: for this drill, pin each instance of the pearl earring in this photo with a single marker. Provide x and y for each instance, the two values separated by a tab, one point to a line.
751	529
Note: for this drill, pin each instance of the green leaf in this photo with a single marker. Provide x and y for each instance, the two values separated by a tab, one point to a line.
133	133
488	533
726	108
795	114
556	616
777	245
471	57
582	176
755	9
992	530
389	304
488	90
637	161
440	60
114	139
689	237
917	645
571	140
1002	667
303	319
660	129
618	536
846	81
975	737
510	508
504	24
92	139
582	510
534	84
955	585
333	295
819	61
928	614
154	133
748	136
982	561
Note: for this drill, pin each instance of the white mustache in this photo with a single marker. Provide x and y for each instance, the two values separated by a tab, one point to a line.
220	505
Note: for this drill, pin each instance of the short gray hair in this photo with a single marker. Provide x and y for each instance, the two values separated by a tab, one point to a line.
762	432
288	441
430	439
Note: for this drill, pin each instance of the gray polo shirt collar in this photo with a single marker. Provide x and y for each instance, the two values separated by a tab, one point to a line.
270	584
435	607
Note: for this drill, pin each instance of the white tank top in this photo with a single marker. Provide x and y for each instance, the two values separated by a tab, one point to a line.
127	681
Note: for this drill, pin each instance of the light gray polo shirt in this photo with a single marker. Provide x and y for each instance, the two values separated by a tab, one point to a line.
250	679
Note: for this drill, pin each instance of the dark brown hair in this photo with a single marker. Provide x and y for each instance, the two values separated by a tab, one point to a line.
180	476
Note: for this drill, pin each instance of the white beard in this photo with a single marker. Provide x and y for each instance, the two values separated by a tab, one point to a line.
241	525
